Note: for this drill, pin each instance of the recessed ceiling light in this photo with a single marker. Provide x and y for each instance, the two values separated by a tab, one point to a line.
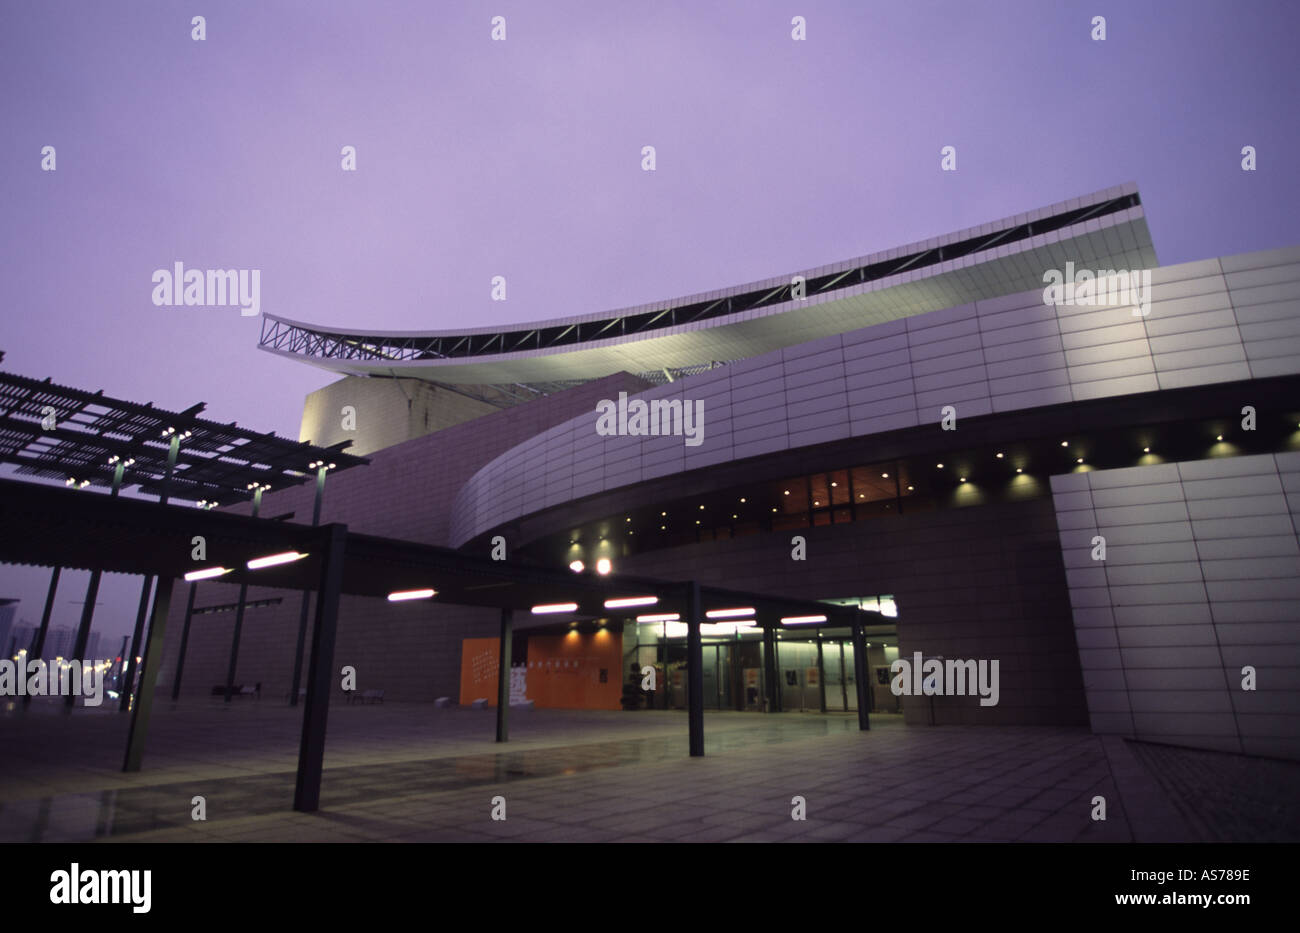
1219	438
1018	470
939	465
909	488
1065	443
884	476
999	456
963	479
787	492
742	500
1080	460
833	485
1146	450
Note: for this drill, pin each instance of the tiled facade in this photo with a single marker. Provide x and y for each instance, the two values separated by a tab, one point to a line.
1200	581
1220	320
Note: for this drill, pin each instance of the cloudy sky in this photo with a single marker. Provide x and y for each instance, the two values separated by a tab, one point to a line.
522	158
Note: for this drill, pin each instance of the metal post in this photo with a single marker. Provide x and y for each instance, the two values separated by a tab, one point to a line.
128	685
92	593
860	672
83	630
503	678
38	646
311	750
138	636
770	668
821	671
239	614
844	678
185	640
302	616
148	677
694	670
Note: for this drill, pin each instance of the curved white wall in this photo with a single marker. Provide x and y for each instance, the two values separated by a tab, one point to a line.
1218	320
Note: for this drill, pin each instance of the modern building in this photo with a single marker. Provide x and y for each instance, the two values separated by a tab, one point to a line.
1024	443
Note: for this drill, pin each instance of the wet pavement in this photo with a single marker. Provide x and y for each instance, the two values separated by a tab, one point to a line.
411	772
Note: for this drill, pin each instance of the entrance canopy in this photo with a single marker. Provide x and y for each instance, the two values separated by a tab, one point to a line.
63	527
72	529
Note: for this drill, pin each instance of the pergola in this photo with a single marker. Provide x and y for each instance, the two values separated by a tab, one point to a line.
90	439
49	525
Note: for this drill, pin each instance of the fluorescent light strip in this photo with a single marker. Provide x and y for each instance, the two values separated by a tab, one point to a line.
287	557
205	574
802	620
554	608
661	617
626	601
729	613
403	595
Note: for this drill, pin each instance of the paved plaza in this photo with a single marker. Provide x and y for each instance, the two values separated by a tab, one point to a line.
411	772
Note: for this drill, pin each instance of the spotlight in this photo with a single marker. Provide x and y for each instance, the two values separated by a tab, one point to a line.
603	566
577	566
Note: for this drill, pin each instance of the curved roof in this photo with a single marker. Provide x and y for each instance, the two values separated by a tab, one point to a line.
1106	229
1232	319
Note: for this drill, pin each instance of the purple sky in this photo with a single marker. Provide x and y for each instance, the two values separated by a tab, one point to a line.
522	158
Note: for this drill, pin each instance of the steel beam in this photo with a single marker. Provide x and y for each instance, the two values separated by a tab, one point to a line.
503	677
148	677
137	635
695	669
306	596
38	646
320	673
185	640
860	673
